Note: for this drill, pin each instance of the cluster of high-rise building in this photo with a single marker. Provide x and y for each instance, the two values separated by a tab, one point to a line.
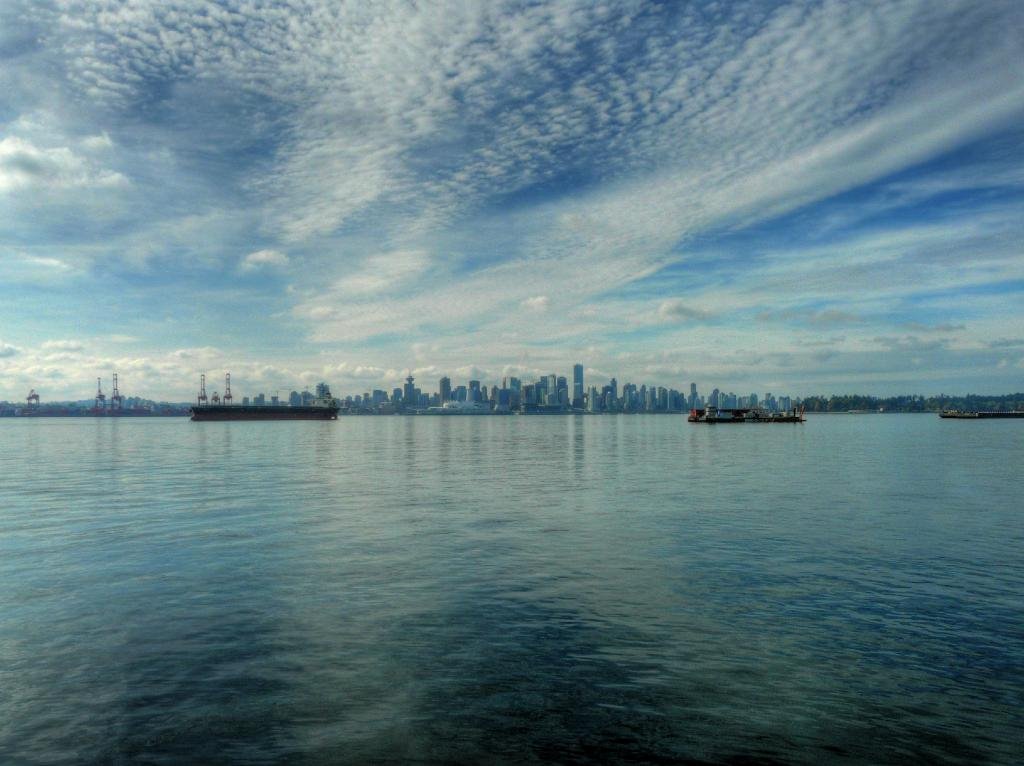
295	399
549	394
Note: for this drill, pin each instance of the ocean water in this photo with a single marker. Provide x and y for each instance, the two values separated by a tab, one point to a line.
518	589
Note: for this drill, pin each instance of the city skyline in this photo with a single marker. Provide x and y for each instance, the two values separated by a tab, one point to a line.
551	392
801	196
578	389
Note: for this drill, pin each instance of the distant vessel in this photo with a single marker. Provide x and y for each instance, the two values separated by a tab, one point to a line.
222	408
730	415
461	408
968	415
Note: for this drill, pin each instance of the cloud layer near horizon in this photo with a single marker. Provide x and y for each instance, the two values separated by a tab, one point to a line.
806	196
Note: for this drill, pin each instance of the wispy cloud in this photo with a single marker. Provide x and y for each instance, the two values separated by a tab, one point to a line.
62	345
383	273
676	310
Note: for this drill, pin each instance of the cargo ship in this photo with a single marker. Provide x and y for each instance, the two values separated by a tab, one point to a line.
723	415
324	407
971	415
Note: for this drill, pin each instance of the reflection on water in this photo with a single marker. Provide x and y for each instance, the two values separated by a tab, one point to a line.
511	589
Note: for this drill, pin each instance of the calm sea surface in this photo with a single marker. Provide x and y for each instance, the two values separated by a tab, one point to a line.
517	589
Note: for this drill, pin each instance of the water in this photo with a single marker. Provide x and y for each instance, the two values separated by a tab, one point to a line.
514	589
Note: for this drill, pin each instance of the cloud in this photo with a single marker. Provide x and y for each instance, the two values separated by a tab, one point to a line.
52	264
7	350
537	303
358	372
202	353
910	343
434	110
25	166
98	142
70	346
383	272
675	310
946	327
19	268
264	259
1006	343
825	318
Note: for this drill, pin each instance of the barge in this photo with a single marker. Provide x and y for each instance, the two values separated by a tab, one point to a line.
731	415
972	415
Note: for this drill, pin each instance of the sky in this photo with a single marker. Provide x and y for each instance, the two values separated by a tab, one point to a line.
803	198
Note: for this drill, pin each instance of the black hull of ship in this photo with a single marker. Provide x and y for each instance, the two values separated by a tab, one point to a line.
271	412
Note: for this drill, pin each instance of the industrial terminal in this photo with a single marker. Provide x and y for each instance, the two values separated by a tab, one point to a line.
100	405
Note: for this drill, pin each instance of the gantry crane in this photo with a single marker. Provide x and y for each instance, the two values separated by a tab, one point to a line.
202	399
101	398
116	400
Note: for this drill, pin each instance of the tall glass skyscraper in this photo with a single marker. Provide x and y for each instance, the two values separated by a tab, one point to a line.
577	385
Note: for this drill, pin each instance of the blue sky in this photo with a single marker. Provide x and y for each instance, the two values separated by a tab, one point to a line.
804	197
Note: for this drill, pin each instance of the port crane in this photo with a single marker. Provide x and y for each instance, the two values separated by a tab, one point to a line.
101	398
33	398
202	398
116	400
227	389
